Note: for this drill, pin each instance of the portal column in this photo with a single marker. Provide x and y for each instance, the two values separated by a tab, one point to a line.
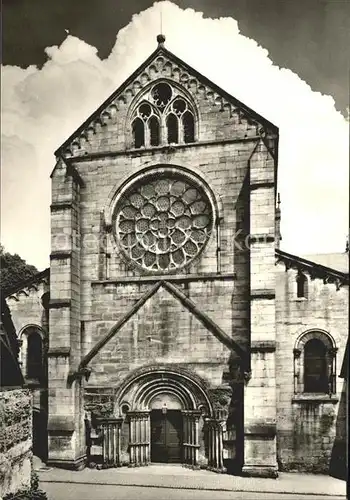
215	444
139	437
111	440
190	438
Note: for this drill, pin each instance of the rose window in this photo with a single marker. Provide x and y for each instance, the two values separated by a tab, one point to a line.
163	224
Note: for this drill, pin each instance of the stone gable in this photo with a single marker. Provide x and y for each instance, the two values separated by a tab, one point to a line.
107	129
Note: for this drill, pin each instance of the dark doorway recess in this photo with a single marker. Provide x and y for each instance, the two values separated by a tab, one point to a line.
166	436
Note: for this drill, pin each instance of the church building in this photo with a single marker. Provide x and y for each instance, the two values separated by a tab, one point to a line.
170	326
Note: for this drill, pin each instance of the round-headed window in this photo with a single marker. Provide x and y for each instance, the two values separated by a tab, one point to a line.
163	223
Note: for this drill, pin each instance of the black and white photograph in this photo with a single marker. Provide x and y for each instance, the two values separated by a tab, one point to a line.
174	249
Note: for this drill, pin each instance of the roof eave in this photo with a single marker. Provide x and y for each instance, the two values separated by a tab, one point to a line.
323	269
109	99
27	282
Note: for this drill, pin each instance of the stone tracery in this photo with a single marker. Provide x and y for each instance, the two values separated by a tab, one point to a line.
164	223
164	116
162	67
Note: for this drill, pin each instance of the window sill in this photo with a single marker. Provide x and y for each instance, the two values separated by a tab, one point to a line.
301	299
315	398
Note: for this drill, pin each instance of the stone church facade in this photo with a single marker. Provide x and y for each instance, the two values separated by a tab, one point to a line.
170	326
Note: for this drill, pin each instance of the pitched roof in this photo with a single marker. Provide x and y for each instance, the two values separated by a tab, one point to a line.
161	50
337	261
35	279
315	269
291	261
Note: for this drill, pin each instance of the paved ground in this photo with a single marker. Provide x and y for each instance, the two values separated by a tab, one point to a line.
73	491
161	481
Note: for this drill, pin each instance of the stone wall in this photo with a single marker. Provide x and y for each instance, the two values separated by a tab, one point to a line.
15	440
28	306
310	427
162	331
93	285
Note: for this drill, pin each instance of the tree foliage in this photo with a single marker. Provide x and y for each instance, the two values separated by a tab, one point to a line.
13	270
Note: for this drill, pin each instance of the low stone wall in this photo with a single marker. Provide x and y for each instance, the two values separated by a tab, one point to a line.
15	440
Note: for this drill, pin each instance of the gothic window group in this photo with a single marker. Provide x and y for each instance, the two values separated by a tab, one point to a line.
165	117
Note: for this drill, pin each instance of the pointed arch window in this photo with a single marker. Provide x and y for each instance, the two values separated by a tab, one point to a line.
138	130
172	129
188	127
154	129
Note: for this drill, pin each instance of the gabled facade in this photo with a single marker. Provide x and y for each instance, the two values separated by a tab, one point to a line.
151	192
163	334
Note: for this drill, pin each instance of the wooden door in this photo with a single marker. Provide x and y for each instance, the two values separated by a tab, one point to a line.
166	436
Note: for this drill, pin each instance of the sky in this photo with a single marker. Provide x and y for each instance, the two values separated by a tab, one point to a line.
286	59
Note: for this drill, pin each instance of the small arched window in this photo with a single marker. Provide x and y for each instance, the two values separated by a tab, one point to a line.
188	127
302	285
315	363
172	129
315	366
34	356
154	130
138	130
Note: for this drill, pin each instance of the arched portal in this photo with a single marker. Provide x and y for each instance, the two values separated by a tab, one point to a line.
162	414
171	403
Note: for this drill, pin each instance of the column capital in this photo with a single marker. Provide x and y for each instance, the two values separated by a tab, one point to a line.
214	423
138	414
117	421
333	351
192	413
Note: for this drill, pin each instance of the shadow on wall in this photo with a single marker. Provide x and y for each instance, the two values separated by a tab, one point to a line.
240	332
40	443
338	463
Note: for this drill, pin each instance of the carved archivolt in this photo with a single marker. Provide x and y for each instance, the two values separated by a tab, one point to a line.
140	389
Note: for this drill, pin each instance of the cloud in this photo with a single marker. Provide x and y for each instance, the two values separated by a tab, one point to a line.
42	107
